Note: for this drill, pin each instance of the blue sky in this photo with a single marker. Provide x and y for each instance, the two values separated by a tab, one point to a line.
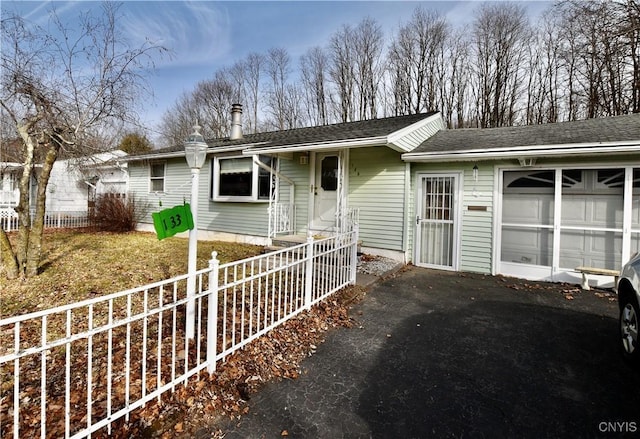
205	36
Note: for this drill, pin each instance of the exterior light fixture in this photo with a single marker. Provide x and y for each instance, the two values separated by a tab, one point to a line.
475	172
195	151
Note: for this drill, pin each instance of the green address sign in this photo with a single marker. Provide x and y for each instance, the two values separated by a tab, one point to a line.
168	222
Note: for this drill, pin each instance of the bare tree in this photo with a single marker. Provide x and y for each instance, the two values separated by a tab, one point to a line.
178	120
278	70
59	89
367	53
213	99
501	35
313	72
253	68
456	81
416	58
341	72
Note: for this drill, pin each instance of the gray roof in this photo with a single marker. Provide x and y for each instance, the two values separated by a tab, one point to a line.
310	135
591	131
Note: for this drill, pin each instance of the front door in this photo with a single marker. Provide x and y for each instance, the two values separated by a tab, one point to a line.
437	221
325	191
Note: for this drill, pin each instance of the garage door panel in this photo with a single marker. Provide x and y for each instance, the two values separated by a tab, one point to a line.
607	211
574	211
528	209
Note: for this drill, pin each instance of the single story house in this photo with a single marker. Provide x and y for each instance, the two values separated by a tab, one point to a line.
529	201
73	184
533	202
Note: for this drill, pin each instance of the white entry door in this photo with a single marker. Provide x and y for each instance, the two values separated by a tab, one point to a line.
325	191
437	221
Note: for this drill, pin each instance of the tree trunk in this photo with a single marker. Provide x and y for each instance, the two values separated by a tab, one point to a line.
24	203
8	257
34	252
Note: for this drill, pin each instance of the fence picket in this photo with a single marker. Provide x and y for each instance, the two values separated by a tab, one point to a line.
244	300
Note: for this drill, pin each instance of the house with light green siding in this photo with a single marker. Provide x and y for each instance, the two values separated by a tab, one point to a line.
531	201
536	202
257	188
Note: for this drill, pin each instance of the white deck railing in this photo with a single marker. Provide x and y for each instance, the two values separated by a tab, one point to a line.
76	369
9	220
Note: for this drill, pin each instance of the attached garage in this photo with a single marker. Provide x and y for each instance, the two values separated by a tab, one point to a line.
571	199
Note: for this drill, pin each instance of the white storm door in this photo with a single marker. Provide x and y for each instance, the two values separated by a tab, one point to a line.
437	221
325	191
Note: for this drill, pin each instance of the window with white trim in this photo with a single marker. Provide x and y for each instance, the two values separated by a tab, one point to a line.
8	181
156	177
240	178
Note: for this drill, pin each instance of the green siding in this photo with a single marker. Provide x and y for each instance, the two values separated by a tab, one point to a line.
243	218
476	231
299	173
376	188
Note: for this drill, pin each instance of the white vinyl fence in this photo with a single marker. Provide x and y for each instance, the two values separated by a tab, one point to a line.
75	369
72	220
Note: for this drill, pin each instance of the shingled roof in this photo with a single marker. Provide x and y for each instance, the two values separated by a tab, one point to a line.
315	135
586	134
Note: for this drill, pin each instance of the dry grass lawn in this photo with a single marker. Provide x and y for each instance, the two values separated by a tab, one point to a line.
78	265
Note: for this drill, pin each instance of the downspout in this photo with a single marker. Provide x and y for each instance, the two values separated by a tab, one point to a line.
405	220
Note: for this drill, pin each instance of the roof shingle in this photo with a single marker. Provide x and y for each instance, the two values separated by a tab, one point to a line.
605	130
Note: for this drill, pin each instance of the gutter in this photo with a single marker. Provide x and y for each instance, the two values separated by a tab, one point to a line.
325	146
526	151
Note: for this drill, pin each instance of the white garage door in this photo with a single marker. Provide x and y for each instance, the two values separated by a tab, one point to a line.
590	221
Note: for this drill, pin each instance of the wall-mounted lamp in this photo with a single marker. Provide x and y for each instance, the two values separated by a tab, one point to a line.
527	161
475	172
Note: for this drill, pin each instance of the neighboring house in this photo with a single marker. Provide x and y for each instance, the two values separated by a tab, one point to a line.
73	184
530	201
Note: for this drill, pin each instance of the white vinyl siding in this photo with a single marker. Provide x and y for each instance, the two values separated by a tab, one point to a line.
376	188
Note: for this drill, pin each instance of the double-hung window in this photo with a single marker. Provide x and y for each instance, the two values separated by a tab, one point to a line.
240	178
156	177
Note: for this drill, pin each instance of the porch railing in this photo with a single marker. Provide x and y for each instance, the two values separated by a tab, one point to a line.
348	220
76	369
282	219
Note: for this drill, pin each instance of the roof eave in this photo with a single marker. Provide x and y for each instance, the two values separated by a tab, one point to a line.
393	138
566	150
321	146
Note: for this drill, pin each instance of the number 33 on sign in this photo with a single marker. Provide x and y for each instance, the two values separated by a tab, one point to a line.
168	222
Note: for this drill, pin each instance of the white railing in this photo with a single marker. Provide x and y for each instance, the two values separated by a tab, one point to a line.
9	220
76	369
282	219
348	220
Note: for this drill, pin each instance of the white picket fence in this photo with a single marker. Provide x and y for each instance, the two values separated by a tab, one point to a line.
96	361
72	220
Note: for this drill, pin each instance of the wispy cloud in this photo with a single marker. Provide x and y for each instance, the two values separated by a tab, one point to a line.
195	32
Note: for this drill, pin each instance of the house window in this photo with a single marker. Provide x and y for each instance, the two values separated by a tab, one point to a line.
156	177
6	182
241	178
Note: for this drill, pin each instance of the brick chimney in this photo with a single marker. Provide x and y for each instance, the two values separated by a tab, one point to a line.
236	122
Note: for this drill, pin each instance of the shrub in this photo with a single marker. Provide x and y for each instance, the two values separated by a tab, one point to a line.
117	213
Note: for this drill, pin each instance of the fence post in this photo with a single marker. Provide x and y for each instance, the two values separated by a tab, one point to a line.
212	313
354	253
308	272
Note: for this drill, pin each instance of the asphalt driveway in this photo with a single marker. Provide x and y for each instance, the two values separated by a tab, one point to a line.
441	354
